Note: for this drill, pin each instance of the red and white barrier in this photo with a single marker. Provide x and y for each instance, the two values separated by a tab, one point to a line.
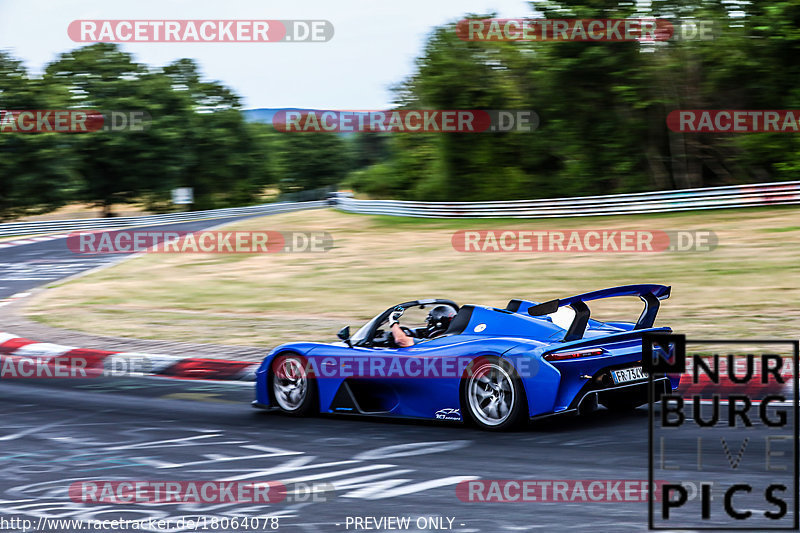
26	358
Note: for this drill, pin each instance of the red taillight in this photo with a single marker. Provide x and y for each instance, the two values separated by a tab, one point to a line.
560	356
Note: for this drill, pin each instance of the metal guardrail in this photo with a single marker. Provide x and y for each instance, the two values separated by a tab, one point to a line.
12	229
780	193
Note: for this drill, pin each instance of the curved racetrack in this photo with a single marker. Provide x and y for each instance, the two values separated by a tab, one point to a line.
56	433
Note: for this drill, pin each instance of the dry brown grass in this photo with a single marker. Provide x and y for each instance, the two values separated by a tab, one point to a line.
748	286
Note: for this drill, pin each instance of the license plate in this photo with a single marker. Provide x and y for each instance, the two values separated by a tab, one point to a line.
628	374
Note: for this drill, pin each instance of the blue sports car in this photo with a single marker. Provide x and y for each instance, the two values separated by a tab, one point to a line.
490	366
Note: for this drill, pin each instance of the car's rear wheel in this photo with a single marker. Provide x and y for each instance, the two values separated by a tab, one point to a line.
493	395
293	389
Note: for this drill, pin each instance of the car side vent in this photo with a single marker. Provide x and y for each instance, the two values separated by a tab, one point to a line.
513	305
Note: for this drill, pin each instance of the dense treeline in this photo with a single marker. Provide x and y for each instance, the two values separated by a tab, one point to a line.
602	106
196	136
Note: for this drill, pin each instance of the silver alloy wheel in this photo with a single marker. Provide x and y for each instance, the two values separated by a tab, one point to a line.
491	394
290	384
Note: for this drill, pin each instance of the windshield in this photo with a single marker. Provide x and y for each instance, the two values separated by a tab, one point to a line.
415	315
363	331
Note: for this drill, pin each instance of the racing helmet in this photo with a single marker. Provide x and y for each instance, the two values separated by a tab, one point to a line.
439	319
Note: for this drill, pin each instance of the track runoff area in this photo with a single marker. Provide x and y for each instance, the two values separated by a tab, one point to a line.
156	453
165	453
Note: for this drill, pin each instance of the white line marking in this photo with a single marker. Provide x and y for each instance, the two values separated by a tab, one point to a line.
28	431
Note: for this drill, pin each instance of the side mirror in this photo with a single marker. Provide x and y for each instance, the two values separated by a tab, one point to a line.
344	334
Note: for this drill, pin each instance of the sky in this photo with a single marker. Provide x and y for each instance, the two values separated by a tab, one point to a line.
374	45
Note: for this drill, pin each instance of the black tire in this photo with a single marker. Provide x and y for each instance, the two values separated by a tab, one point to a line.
292	387
500	383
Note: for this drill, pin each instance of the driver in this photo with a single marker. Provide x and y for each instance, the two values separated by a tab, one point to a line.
438	321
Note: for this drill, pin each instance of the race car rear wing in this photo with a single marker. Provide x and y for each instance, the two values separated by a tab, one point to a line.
651	295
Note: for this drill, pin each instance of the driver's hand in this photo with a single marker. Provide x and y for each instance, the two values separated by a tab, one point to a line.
394	318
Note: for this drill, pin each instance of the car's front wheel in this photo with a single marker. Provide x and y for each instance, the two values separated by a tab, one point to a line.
293	388
494	396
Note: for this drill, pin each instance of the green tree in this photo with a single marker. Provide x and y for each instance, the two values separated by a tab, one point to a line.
227	160
196	135
603	107
37	170
306	161
114	165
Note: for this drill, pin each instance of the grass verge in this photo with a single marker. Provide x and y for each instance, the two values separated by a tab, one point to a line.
747	287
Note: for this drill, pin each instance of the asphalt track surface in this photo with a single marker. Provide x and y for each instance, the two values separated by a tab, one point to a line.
27	266
57	432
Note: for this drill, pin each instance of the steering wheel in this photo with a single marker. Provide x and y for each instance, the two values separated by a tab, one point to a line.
382	338
385	337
